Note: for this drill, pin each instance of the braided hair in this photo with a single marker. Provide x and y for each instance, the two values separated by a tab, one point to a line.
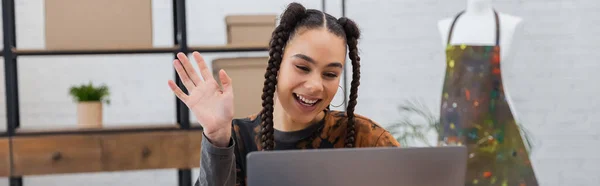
294	18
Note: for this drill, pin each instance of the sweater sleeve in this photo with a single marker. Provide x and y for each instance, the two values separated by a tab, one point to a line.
217	165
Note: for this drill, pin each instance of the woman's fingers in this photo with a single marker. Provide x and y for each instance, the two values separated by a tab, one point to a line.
177	91
204	71
226	81
187	82
187	66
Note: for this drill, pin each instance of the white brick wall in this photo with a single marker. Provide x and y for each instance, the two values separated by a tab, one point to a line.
552	79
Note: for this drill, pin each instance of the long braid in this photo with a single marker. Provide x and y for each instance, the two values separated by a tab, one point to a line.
294	13
352	36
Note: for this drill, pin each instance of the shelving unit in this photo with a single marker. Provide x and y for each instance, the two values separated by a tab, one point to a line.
170	146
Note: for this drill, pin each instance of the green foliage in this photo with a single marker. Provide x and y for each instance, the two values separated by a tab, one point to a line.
406	130
89	92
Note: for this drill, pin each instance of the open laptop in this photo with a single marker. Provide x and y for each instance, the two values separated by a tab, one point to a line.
381	166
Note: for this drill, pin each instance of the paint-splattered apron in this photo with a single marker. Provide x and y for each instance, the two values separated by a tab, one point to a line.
474	112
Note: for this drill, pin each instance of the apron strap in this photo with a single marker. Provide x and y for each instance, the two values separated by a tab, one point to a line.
497	28
462	12
452	27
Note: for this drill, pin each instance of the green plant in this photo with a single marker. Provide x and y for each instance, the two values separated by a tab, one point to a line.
89	92
406	130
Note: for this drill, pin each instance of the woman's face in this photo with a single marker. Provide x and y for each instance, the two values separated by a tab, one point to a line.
310	73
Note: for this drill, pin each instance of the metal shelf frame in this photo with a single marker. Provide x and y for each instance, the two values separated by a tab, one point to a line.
10	54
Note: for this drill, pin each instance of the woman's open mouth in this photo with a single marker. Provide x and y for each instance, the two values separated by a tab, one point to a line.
305	103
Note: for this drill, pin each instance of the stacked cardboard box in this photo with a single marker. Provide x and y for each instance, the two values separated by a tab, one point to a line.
249	29
94	24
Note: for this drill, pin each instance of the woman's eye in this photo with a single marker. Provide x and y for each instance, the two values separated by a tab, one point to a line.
302	68
331	75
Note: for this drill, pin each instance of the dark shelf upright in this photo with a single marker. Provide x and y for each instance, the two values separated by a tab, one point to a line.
183	114
180	38
10	66
10	77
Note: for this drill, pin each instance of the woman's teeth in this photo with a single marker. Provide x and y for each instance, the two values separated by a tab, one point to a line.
305	100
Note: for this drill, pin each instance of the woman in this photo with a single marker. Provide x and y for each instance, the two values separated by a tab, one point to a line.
307	57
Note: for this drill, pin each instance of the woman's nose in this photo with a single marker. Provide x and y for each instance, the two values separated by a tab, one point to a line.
314	84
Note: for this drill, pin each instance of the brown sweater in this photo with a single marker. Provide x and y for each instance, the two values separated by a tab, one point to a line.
226	166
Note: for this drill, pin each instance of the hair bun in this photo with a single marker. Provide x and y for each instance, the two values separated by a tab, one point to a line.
350	27
292	14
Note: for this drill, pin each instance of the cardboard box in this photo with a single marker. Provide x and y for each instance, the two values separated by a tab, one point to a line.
248	76
94	24
250	29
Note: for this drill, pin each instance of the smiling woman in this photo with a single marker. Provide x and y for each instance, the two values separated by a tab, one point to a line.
307	57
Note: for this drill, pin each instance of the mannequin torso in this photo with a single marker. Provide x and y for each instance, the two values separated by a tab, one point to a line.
476	26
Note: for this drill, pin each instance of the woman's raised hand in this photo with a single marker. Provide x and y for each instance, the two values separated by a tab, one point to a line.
211	106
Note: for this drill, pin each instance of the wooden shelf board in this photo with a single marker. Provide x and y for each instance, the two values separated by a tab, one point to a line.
74	130
206	48
4	157
95	51
230	48
63	154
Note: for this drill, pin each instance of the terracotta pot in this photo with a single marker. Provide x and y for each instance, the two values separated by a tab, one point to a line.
89	114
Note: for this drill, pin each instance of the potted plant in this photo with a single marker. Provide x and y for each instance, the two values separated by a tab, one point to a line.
90	101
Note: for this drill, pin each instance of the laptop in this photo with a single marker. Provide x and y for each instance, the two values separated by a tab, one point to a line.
381	166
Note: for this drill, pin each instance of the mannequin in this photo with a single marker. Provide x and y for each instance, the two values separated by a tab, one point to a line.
469	30
476	110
